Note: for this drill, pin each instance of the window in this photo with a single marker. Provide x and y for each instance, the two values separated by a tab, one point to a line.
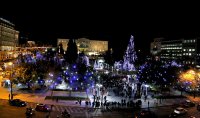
184	49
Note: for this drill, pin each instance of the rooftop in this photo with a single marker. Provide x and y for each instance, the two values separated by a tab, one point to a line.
6	21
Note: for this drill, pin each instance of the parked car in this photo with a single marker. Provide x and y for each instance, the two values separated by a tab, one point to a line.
17	102
42	107
188	103
180	111
146	114
191	117
173	115
198	107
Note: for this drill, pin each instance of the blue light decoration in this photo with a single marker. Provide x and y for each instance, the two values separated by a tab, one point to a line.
51	86
164	79
74	66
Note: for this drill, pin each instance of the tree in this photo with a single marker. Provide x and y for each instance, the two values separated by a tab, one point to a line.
108	57
130	56
72	51
157	73
190	79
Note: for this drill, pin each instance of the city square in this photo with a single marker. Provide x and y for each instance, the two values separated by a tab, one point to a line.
83	77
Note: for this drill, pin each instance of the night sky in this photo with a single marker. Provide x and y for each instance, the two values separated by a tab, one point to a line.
116	27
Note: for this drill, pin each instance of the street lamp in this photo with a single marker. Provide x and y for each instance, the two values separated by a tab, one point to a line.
11	91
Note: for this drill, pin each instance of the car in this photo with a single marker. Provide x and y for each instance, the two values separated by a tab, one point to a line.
17	102
173	115
188	103
191	117
42	107
146	114
180	111
198	107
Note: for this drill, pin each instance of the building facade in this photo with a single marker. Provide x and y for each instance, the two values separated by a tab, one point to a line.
89	47
171	50
8	39
184	51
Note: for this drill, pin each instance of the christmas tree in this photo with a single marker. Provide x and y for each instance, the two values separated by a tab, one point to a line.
130	56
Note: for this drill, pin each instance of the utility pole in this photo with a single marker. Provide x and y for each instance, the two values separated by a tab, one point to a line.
11	87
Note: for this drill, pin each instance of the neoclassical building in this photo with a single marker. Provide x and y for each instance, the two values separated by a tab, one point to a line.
8	39
90	47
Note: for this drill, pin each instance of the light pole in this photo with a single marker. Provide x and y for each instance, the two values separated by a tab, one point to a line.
11	91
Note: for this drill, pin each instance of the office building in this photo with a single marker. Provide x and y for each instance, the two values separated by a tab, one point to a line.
184	51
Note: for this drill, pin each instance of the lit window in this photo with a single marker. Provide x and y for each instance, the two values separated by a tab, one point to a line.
193	49
184	49
190	49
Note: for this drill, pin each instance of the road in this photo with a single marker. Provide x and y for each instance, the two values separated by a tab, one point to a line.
7	111
164	112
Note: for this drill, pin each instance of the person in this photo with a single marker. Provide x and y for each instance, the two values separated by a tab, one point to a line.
80	101
11	96
65	112
104	98
47	116
145	98
51	107
28	112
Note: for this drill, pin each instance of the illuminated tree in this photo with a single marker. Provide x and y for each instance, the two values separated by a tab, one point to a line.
130	56
190	78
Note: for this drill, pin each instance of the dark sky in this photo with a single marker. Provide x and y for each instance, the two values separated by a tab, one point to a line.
114	26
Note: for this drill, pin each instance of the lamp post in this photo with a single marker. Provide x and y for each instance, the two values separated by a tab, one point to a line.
11	91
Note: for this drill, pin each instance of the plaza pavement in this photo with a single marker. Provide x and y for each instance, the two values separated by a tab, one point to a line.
40	98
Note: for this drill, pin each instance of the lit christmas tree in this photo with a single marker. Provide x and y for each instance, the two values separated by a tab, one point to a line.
130	56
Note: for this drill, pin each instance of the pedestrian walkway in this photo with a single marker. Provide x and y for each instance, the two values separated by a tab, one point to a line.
40	98
149	102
